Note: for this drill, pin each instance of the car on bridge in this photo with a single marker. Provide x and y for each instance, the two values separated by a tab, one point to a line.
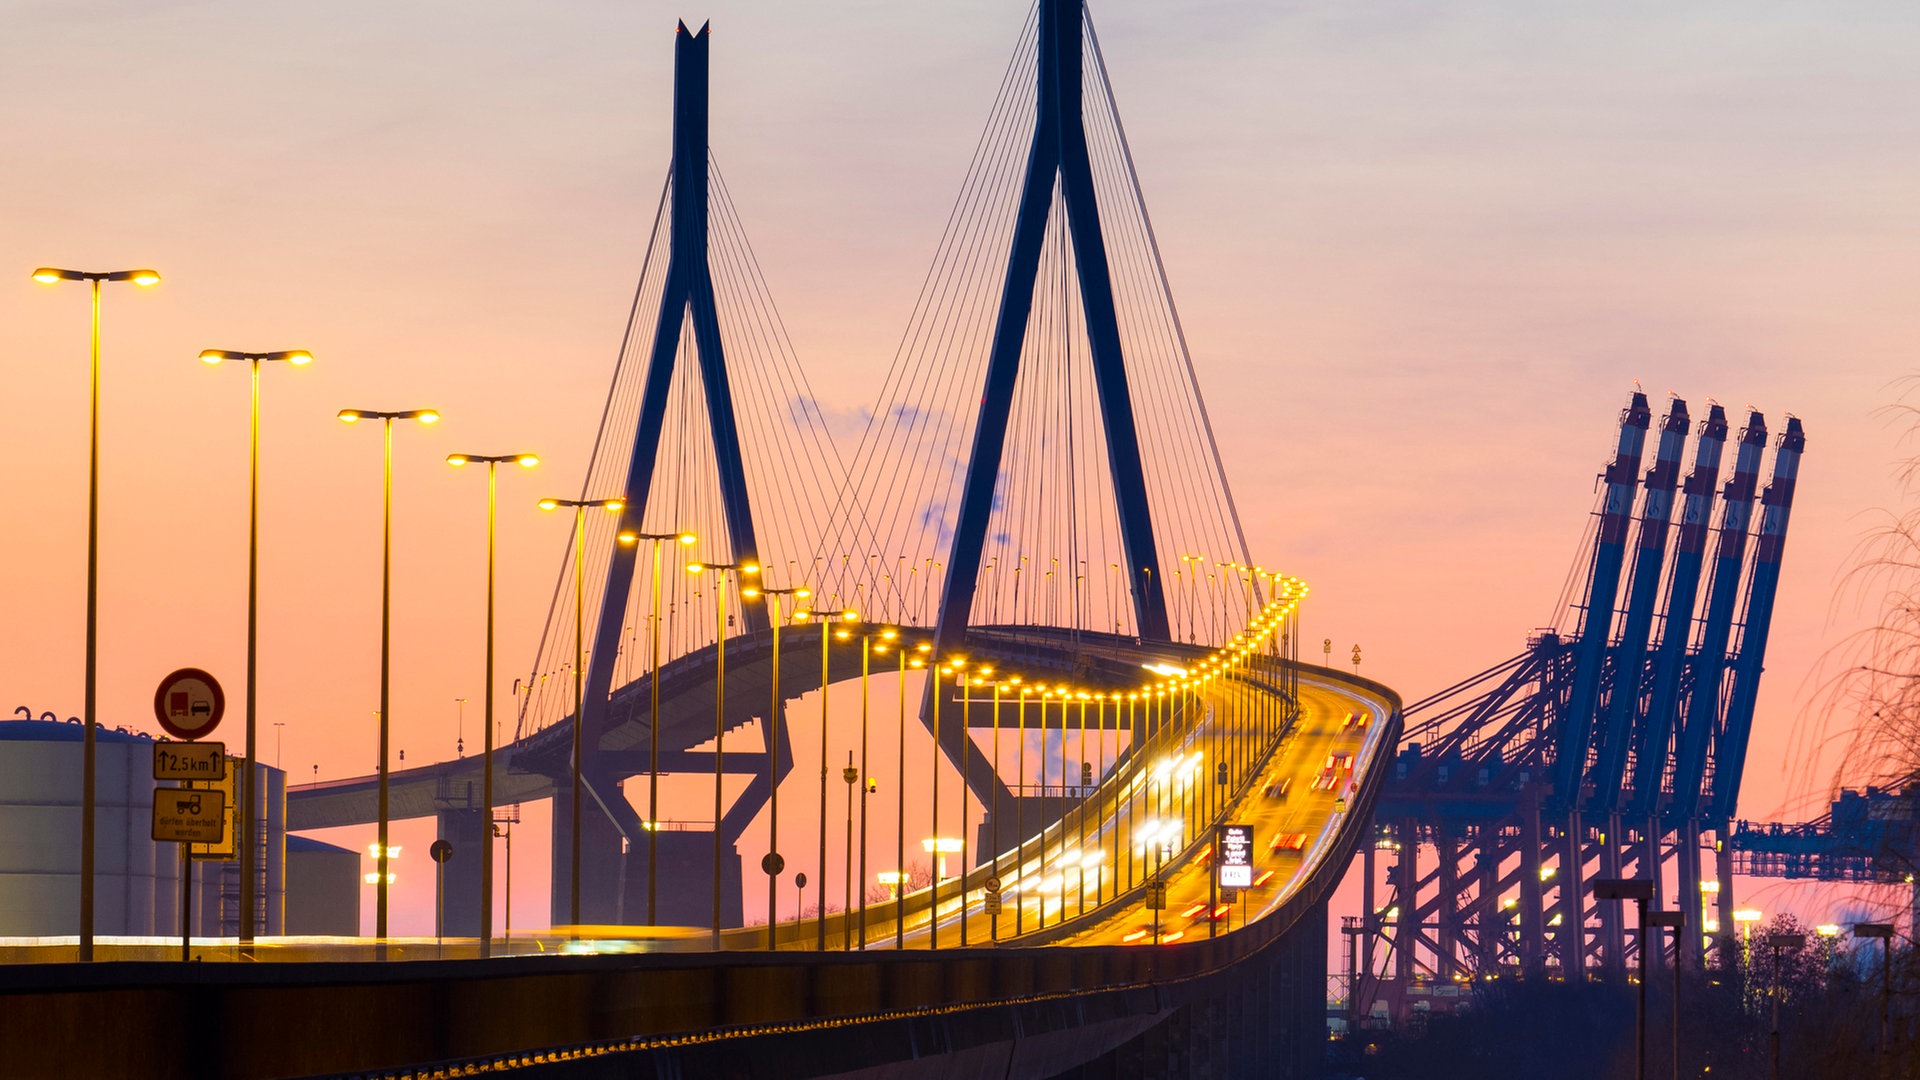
1278	788
1288	841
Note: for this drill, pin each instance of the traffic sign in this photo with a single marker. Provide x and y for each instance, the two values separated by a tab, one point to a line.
223	849
992	903
189	761
772	863
800	880
440	851
993	883
1156	895
189	704
1235	845
189	816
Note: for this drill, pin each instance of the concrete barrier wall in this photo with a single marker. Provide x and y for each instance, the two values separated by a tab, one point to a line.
1256	995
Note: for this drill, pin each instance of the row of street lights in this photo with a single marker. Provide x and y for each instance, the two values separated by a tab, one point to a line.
1177	690
957	667
244	816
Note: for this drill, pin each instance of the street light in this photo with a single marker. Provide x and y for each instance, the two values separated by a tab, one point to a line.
966	747
1778	942
887	634
1677	922
684	539
492	462
776	710
1640	891
720	572
953	665
852	776
579	507
48	275
918	661
243	817
1883	932
353	416
826	618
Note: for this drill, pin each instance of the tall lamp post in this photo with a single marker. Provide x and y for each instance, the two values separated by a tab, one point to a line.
492	462
868	650
1778	943
653	681
1677	922
826	634
579	508
1884	932
720	572
1640	891
918	661
243	817
353	416
49	275
775	714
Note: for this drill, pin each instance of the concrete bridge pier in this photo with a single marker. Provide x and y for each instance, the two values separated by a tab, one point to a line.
459	879
1025	815
600	862
684	881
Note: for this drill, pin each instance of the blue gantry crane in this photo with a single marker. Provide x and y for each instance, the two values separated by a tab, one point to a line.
1611	752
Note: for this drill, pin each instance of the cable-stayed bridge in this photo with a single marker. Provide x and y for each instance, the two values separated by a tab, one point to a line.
1034	536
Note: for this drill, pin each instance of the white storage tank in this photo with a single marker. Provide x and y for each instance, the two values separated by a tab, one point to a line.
137	881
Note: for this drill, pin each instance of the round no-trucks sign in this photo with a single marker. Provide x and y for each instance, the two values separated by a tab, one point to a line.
189	704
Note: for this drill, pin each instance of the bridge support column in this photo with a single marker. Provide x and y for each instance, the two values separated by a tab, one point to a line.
459	879
1031	814
600	863
685	876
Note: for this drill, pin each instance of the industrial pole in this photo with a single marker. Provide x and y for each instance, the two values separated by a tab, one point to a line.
1640	891
1883	931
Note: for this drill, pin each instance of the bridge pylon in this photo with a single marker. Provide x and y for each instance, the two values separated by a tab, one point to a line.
687	300
1058	155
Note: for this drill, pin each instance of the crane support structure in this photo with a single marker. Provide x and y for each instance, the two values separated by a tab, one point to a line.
1609	552
1776	504
1683	589
1589	757
1650	551
1710	660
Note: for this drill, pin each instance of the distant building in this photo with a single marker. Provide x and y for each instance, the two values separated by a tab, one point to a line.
137	881
323	888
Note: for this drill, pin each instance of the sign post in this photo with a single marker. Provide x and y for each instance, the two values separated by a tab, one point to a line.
440	852
1233	867
189	704
993	907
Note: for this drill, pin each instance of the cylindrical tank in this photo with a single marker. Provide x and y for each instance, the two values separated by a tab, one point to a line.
137	882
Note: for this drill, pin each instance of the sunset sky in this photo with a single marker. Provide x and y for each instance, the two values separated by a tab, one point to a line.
1421	253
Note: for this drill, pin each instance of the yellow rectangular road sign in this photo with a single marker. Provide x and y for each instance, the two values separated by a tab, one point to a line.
189	761
189	815
229	786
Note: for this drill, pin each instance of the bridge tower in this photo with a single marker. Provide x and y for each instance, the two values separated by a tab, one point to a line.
1058	155
687	301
